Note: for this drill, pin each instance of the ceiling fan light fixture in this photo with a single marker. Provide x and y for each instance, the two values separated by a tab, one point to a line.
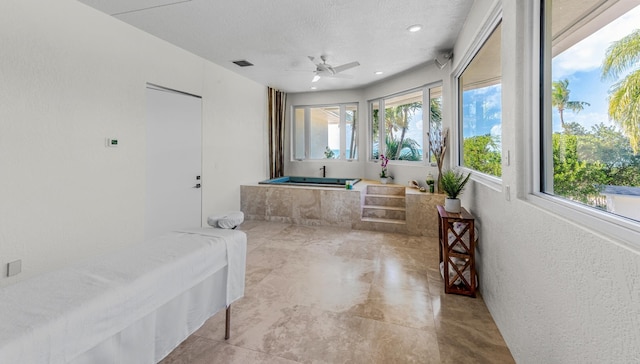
316	78
414	28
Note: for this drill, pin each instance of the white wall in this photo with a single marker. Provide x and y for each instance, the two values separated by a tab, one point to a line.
363	168
70	77
560	291
625	205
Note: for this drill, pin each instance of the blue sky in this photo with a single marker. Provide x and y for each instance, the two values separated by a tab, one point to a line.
581	65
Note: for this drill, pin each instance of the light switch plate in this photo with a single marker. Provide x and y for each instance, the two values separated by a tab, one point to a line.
14	268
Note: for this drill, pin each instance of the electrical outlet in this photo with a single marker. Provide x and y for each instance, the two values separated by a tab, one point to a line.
14	268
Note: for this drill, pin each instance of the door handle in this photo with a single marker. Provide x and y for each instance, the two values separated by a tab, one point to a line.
197	185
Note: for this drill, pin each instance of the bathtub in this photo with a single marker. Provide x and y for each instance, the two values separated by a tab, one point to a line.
310	181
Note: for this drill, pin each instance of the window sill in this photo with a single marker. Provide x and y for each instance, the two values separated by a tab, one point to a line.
495	183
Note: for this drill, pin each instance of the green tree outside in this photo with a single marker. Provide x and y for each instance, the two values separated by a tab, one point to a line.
624	97
583	164
560	100
482	153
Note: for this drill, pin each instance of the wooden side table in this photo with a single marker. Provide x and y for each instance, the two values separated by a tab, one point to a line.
457	251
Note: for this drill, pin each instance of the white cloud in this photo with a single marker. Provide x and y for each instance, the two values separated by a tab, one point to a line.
417	125
588	54
496	130
586	119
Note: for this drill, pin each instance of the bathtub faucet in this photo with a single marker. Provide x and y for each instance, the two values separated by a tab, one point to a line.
324	171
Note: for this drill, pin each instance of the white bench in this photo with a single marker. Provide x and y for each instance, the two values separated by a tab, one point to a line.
131	306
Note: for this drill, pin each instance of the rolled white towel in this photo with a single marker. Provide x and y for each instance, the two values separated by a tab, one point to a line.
227	220
454	275
458	227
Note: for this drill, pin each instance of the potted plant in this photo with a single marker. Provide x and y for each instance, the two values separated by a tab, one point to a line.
453	183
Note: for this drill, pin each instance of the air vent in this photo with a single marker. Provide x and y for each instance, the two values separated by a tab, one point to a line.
243	63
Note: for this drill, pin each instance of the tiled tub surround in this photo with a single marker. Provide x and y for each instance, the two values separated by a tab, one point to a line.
324	206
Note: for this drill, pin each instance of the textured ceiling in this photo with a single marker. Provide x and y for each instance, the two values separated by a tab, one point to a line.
277	36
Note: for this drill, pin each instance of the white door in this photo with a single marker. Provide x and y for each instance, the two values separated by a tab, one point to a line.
174	161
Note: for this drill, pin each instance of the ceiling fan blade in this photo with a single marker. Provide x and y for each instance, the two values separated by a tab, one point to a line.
345	67
313	59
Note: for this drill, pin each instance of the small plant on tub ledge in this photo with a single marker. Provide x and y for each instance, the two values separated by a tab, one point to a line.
453	183
384	173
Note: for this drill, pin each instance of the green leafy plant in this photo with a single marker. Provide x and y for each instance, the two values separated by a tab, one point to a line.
453	182
328	153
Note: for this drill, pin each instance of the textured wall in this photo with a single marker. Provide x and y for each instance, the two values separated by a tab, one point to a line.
559	291
70	77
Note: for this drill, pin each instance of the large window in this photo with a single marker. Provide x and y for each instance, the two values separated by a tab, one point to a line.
325	132
398	125
480	95
591	110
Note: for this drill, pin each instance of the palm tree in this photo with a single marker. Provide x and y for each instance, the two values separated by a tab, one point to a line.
354	127
624	96
397	119
435	113
408	149
403	113
560	100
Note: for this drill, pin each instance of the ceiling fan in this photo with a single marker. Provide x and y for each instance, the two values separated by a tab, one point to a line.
323	69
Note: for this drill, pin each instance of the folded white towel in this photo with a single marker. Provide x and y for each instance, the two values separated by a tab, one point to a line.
227	220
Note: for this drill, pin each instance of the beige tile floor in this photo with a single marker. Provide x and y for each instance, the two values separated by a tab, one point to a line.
331	295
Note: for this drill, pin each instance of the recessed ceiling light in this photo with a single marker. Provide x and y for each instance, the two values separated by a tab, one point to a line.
414	28
314	88
378	72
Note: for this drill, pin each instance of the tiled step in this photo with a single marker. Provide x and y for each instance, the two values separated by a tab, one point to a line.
386	190
384	212
384	209
384	200
386	225
384	221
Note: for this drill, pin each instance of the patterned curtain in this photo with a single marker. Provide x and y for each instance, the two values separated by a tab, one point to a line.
276	132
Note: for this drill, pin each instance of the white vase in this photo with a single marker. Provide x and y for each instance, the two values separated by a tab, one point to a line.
383	180
452	205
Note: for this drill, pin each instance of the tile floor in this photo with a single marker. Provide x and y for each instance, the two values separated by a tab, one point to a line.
331	295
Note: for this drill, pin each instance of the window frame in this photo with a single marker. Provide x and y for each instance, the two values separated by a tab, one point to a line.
538	86
493	182
426	125
342	106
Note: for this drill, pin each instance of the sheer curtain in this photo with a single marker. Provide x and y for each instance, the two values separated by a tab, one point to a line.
276	132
